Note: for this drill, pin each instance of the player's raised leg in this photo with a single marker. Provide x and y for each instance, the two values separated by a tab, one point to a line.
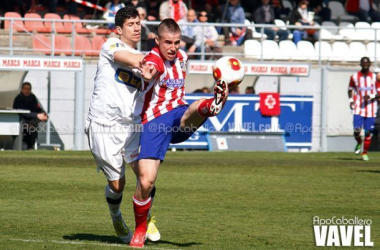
199	110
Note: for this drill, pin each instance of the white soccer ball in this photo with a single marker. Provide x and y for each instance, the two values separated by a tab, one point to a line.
229	69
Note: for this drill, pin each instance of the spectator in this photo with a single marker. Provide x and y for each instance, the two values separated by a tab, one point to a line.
175	9
362	9
234	90
207	35
147	36
28	101
112	8
300	17
235	14
23	6
249	90
135	4
265	15
188	32
197	91
152	8
317	6
279	9
73	6
206	90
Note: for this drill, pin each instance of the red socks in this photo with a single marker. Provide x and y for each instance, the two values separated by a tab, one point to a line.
367	144
141	209
204	108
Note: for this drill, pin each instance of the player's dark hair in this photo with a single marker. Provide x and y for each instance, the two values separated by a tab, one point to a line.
168	24
125	13
364	58
26	83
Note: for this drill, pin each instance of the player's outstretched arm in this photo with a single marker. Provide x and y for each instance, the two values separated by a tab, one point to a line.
148	72
128	58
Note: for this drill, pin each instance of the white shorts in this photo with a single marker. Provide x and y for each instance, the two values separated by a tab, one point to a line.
112	145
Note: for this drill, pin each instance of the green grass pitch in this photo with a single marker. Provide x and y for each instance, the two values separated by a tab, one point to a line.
218	200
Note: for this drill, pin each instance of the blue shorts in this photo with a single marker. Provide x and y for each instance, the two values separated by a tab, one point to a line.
368	123
160	132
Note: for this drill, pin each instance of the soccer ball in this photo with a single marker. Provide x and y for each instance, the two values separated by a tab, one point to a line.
229	69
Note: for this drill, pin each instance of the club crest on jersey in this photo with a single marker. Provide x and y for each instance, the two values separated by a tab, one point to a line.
126	77
173	83
183	66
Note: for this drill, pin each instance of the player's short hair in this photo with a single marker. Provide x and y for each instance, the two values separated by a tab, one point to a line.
26	84
125	13
168	24
365	58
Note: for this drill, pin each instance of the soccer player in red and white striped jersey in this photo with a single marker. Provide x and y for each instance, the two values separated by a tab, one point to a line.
363	93
165	115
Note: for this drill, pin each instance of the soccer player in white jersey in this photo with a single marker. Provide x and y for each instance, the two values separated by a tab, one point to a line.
166	116
363	92
111	127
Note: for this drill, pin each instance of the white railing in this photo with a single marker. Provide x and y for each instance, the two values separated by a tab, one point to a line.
345	36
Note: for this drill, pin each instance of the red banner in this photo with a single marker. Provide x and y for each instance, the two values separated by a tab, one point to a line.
270	104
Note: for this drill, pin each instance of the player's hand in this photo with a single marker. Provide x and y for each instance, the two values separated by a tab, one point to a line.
148	71
42	117
352	105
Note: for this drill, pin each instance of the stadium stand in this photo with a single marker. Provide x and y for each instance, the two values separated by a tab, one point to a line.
59	26
18	25
271	50
357	51
326	50
34	26
252	49
338	12
288	50
78	25
82	45
306	51
62	45
96	45
41	43
364	32
341	52
372	51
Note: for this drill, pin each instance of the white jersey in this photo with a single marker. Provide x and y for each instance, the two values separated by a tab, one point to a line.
116	88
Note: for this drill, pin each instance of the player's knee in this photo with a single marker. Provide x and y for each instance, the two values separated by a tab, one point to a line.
356	133
368	134
146	185
117	186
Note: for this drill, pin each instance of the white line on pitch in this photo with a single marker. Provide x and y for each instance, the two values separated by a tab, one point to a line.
84	243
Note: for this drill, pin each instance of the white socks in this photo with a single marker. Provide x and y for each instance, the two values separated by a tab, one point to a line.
113	201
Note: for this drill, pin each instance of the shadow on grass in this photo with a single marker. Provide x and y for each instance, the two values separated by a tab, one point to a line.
369	171
189	244
116	240
93	237
348	159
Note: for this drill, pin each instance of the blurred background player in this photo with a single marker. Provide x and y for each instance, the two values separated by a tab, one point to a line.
363	93
28	101
111	128
166	116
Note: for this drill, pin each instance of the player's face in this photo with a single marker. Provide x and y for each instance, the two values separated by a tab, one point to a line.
130	33
26	90
365	64
168	43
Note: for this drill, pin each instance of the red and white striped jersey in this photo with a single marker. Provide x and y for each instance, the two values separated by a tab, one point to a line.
364	85
166	90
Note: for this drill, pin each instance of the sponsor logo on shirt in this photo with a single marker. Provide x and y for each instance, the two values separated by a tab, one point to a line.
117	45
128	78
366	88
173	83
